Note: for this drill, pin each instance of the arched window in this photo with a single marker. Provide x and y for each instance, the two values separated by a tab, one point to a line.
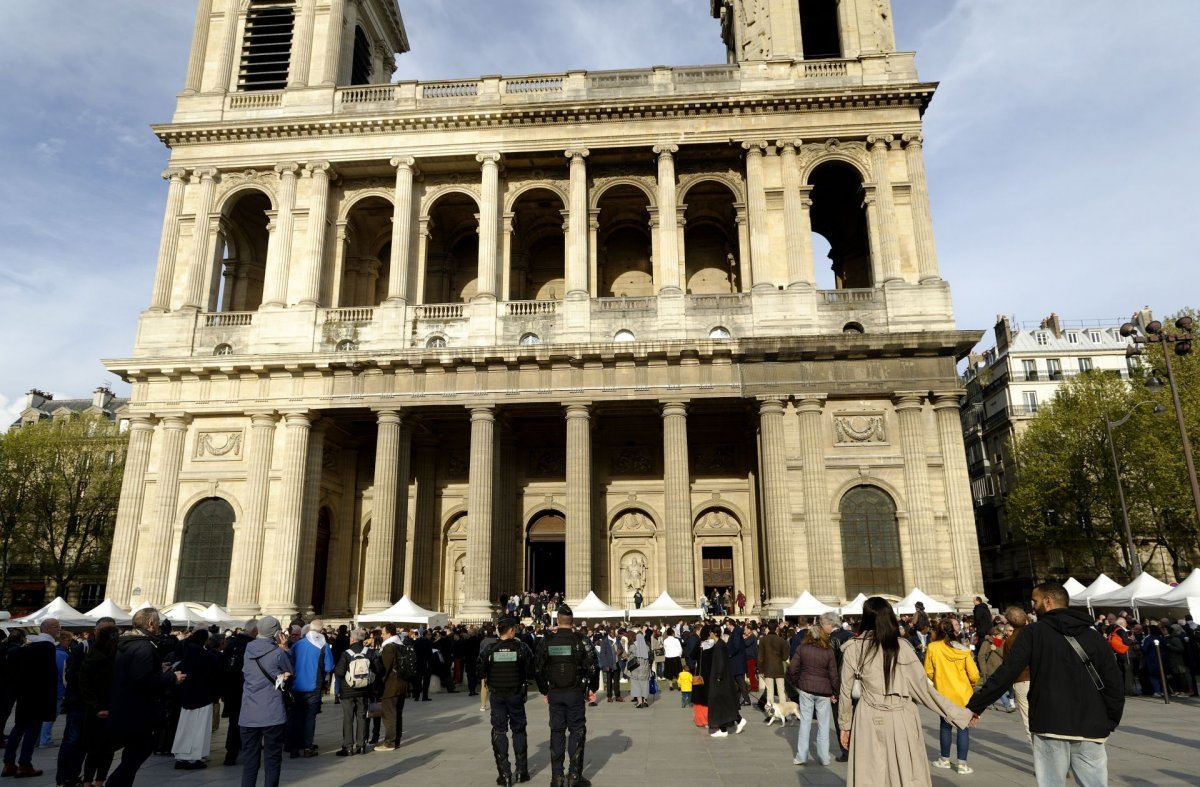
624	264
538	253
452	256
238	280
530	340
871	543
710	241
839	225
720	332
206	553
624	335
436	342
360	69
223	349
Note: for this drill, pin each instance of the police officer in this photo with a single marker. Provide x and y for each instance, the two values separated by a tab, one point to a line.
505	665
567	676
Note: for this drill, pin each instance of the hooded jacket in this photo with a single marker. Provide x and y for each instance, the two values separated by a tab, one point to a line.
953	672
313	659
1063	701
139	685
262	703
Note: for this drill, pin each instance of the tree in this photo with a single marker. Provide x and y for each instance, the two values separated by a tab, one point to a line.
17	461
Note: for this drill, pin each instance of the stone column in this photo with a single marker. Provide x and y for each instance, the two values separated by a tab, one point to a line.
745	270
677	493
195	70
284	600
381	549
401	230
489	225
400	528
785	578
129	510
668	222
198	264
340	598
922	534
318	221
968	575
579	502
927	264
153	566
310	506
756	198
280	252
164	274
302	46
577	244
232	16
824	564
333	43
797	222
477	605
885	203
425	542
245	574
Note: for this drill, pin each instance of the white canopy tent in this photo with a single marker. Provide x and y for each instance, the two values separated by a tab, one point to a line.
855	606
1185	594
1144	586
592	608
64	613
221	617
807	606
1100	586
908	604
407	611
1073	587
109	609
665	608
186	614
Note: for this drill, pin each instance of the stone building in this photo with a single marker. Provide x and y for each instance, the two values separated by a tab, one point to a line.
455	339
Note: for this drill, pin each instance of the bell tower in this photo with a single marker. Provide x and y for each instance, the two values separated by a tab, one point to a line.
804	29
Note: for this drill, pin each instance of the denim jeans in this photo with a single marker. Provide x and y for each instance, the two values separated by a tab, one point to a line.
945	731
265	745
1052	758
823	707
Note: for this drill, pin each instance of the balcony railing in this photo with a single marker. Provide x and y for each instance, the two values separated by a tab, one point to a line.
228	319
439	311
722	301
851	296
626	304
358	314
530	308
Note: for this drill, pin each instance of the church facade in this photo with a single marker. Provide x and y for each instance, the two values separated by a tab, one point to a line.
665	329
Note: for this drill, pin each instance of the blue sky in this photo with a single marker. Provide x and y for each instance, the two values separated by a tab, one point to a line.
1061	149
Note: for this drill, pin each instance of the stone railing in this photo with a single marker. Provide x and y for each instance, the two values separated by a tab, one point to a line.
549	84
464	89
735	300
357	314
818	69
370	94
227	319
626	304
439	311
530	308
256	100
864	295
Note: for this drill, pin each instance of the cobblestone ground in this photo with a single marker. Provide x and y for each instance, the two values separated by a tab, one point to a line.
446	743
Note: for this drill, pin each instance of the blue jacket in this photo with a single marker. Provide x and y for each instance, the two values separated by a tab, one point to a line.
312	665
606	653
737	652
262	704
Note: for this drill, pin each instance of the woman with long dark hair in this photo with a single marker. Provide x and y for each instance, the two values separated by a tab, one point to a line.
721	695
95	685
881	728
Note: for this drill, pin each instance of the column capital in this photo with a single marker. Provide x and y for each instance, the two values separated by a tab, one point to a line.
287	169
579	410
488	158
673	408
174	174
263	418
204	173
175	421
789	146
140	423
319	167
403	162
770	405
755	147
665	149
577	153
915	139
300	419
905	401
947	400
486	412
811	403
878	141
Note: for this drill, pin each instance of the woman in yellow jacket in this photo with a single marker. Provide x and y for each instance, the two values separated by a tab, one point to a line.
949	664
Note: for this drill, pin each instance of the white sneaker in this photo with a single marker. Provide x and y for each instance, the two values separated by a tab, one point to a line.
718	734
942	762
796	761
741	725
962	768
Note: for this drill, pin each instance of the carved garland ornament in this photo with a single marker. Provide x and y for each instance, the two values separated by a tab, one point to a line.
859	429
807	155
229	181
715	521
219	445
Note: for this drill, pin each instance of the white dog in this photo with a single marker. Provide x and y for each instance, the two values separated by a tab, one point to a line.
781	711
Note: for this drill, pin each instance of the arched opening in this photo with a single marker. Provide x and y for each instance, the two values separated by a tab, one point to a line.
244	237
360	67
546	556
538	268
321	560
624	246
839	218
206	553
368	253
819	31
718	536
871	543
452	264
710	240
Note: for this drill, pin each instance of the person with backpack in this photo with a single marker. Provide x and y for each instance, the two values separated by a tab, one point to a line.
396	667
356	675
567	677
505	666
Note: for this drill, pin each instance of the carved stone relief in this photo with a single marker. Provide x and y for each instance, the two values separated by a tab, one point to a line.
549	463
632	461
219	445
458	464
633	523
858	428
711	459
634	570
806	155
716	521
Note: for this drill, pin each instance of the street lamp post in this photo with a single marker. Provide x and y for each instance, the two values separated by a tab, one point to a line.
1135	562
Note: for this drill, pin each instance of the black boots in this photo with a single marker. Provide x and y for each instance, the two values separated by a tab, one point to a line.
505	779
556	781
521	774
575	769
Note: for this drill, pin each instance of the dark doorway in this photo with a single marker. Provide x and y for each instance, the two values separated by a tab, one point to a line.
546	561
717	566
321	561
819	33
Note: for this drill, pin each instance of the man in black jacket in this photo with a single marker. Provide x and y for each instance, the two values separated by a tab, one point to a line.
71	751
33	671
566	674
1074	705
231	688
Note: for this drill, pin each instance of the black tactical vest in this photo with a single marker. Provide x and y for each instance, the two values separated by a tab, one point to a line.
506	670
562	663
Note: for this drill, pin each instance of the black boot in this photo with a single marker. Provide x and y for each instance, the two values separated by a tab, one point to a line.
575	769
500	753
521	774
556	781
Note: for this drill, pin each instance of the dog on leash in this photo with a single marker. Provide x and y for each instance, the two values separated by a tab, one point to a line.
781	711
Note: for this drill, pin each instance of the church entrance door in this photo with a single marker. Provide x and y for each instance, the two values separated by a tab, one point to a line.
546	555
717	565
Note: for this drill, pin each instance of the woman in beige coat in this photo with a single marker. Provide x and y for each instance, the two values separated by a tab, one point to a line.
882	729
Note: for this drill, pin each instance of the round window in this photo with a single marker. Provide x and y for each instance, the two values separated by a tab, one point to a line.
347	346
624	335
720	332
436	342
223	349
531	339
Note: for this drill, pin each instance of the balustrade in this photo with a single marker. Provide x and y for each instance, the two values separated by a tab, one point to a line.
720	301
369	94
450	89
256	100
227	319
357	314
550	84
440	311
626	304
530	308
850	296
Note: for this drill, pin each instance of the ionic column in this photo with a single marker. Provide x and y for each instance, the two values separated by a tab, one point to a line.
797	223
381	549
824	564
677	493
153	563
291	508
333	43
302	46
425	541
477	604
489	225
318	221
308	521
129	510
578	235
508	532
199	48
923	538
245	573
201	241
927	264
756	198
889	240
164	275
579	502
968	576
785	577
280	252
668	223
744	267
401	230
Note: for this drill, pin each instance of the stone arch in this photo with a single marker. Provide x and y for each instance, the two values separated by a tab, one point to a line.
191	501
711	246
624	241
534	185
454	524
450	217
358	196
206	552
619	510
872	553
366	262
853	154
840	222
702	510
688	182
538	259
243	245
601	186
238	188
431	198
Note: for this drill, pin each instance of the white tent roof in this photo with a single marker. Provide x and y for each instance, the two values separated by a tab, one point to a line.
908	604
664	607
1145	586
1100	586
109	609
1073	587
407	611
1177	596
807	605
221	616
66	615
185	613
592	607
855	606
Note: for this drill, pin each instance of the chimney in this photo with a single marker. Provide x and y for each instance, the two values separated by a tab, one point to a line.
1053	324
35	398
101	397
1003	334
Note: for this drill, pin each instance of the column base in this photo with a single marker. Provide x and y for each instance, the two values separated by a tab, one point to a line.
473	611
245	611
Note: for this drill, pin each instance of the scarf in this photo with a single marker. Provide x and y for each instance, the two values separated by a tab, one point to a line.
316	638
707	644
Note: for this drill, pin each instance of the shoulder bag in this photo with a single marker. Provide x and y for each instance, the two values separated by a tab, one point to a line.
1087	662
856	688
288	699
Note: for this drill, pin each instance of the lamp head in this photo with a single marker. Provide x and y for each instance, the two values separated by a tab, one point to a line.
1154	383
1128	330
1154	327
1184	323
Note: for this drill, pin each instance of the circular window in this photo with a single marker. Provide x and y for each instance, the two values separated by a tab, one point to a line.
347	346
624	335
720	332
853	327
223	349
435	342
530	339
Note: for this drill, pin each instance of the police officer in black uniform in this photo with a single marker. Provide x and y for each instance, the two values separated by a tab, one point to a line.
506	665
567	676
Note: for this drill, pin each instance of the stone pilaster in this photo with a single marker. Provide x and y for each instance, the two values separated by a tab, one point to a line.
201	240
318	222
426	539
756	199
477	605
401	230
195	72
340	597
927	263
333	43
284	600
302	46
784	577
968	575
577	250
245	574
668	221
885	203
797	223
677	494
164	275
381	545
400	528
579	502
824	564
153	562
279	254
489	225
306	577
922	535
129	510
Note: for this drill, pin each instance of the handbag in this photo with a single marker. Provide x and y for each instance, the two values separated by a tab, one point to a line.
632	664
856	688
653	684
659	652
375	709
